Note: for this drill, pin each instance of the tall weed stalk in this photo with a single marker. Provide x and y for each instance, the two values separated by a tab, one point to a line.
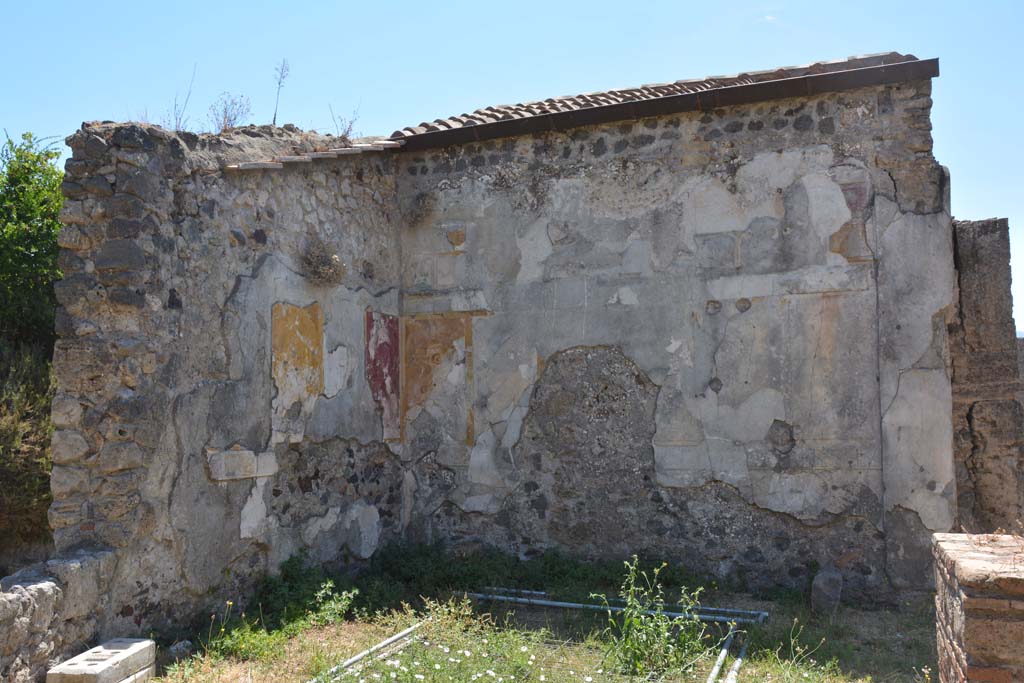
642	639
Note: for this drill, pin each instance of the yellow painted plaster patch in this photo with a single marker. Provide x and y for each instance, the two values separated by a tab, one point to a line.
298	348
297	345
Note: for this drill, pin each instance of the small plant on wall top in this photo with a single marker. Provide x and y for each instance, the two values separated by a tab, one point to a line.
321	265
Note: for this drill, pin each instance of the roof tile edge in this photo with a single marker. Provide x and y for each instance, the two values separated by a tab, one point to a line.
681	96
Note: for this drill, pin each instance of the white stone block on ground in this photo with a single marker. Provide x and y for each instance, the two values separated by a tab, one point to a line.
142	676
120	660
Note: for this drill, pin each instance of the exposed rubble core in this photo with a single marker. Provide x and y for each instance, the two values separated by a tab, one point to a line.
721	336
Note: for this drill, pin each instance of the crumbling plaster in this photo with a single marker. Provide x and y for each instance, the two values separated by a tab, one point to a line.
781	273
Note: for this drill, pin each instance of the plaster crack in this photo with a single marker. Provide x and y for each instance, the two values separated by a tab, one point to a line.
896	393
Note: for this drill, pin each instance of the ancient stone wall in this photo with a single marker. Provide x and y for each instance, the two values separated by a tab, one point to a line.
716	337
979	607
988	421
214	408
50	611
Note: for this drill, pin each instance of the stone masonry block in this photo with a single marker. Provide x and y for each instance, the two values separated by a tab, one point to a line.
112	662
241	464
83	576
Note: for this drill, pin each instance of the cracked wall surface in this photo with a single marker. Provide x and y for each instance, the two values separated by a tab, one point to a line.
715	337
778	278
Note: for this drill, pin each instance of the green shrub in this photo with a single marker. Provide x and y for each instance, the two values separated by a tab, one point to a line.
26	389
406	572
246	639
30	203
331	606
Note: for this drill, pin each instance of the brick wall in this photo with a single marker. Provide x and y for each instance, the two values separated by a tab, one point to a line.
979	604
988	422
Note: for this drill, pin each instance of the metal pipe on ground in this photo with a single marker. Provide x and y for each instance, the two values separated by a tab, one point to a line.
738	616
743	613
722	654
519	591
331	673
734	671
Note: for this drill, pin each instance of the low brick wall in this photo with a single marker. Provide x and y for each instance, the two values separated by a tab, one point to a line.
979	581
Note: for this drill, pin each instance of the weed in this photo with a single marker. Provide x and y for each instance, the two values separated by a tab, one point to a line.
321	264
796	662
331	606
642	638
281	72
229	111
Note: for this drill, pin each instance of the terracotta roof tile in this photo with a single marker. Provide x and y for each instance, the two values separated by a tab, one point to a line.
570	103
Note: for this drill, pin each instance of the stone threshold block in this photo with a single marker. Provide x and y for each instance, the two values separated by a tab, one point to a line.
121	660
979	607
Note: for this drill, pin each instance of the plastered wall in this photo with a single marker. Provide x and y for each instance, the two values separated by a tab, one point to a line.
717	337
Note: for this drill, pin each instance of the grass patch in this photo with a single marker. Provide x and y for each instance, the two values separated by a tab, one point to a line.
299	599
304	621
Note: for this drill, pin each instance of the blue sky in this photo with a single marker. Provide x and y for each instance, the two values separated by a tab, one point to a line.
398	63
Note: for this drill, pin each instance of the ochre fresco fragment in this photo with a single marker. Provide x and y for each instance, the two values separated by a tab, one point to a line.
298	351
427	340
297	346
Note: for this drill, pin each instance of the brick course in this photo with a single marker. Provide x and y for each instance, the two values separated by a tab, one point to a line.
979	606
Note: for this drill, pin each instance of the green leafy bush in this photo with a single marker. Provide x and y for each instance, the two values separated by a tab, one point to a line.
405	572
30	203
331	605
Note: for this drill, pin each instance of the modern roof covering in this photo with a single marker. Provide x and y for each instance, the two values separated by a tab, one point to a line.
560	113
